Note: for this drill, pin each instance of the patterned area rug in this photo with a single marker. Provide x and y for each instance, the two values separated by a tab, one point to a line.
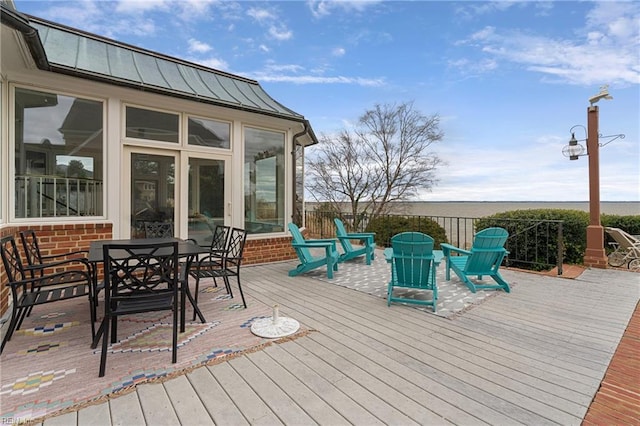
453	296
48	365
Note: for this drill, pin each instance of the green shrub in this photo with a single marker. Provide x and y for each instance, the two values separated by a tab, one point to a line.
386	227
629	224
540	245
537	241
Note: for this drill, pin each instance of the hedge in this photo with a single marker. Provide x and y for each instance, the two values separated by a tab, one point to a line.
386	227
532	243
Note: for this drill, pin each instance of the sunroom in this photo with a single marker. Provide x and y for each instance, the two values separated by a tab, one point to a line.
99	137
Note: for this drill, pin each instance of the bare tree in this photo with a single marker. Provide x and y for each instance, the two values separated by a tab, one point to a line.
385	158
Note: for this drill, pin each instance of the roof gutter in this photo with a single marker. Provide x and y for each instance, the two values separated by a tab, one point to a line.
307	130
16	21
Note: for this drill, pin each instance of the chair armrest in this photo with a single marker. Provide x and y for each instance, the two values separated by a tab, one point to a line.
321	240
388	254
361	234
50	279
438	255
43	266
314	244
84	253
208	259
368	237
448	248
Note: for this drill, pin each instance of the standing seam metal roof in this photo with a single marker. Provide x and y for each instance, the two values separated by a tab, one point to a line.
74	52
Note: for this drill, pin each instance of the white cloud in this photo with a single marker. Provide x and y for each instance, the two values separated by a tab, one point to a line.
269	18
273	67
198	46
215	63
141	6
533	169
261	15
323	8
280	32
484	34
314	79
606	52
338	51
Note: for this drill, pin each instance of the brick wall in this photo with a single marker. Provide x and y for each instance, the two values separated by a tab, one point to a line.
268	250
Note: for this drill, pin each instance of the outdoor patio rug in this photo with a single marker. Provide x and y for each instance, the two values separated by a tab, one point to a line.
49	367
453	296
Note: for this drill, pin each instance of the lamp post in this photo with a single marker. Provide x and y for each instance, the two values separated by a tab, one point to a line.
594	255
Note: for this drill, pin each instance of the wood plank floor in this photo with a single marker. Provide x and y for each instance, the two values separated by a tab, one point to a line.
535	356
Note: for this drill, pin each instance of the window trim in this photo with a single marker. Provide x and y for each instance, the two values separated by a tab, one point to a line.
286	178
11	155
205	148
149	142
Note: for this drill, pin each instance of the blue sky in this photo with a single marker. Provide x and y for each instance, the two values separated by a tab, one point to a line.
508	79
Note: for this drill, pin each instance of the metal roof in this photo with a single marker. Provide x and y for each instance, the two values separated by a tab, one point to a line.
87	55
66	50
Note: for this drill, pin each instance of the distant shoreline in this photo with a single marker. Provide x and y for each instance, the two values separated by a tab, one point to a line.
488	208
516	202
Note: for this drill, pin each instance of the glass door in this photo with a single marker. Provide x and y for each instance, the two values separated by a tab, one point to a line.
206	199
152	190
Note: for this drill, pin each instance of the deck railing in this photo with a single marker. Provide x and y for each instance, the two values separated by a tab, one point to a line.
532	244
56	196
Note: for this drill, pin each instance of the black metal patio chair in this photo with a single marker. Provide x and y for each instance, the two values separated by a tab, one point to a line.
29	289
223	264
140	277
158	229
205	264
39	264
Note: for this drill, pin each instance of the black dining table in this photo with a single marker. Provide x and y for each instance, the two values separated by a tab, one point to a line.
186	249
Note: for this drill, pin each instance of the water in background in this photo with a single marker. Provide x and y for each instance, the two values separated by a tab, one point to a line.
487	208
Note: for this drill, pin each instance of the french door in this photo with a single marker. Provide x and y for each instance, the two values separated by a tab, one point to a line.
170	186
207	203
152	188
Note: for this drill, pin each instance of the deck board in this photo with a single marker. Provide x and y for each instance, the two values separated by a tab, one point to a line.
186	403
535	356
156	406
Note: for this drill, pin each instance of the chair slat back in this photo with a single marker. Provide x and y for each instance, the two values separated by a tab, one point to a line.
342	232
11	259
412	260
235	247
158	230
303	253
140	269
220	238
31	247
487	251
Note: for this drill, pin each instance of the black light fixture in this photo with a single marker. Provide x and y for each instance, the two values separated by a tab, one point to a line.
574	150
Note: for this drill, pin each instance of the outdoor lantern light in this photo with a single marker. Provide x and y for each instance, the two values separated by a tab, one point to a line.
574	149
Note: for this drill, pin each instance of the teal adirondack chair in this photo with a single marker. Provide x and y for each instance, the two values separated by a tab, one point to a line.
368	250
309	261
484	258
412	267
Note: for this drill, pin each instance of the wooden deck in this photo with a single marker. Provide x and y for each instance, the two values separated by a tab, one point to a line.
535	356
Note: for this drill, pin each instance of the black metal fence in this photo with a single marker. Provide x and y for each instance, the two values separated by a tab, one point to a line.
532	244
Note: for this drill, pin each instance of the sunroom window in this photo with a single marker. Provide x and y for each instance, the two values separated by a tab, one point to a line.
152	125
58	155
264	181
211	133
